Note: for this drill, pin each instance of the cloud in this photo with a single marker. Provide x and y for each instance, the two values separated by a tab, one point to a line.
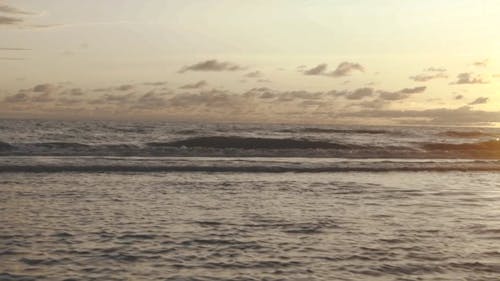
254	74
343	69
14	49
469	78
459	97
13	10
197	85
426	77
483	63
459	116
346	68
6	20
401	94
480	100
430	74
124	88
10	58
212	65
435	69
44	88
43	98
317	70
73	92
19	97
356	94
158	83
264	81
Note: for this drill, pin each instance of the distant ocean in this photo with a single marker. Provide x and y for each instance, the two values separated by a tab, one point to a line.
105	200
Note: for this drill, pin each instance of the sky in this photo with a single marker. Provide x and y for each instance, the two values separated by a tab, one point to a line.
428	62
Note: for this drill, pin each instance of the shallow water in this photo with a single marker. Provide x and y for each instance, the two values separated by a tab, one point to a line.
250	226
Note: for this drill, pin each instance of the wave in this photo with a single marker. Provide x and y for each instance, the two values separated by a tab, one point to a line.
241	165
228	169
466	134
238	146
252	143
328	131
491	148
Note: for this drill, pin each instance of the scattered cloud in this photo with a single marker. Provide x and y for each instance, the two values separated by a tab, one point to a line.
317	70
254	74
4	8
458	116
197	85
343	69
14	49
44	88
212	65
124	88
346	68
158	83
483	63
357	94
424	77
7	20
435	69
459	97
401	94
469	78
430	74
480	100
9	58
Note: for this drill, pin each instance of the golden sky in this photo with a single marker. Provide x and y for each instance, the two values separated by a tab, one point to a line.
316	61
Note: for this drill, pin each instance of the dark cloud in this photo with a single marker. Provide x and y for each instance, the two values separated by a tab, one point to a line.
483	63
469	78
14	49
264	81
13	10
113	99
401	94
346	68
435	69
430	74
9	58
212	65
289	96
317	70
124	88
480	100
159	83
212	98
197	85
5	20
19	97
459	97
424	77
343	69
43	98
44	88
460	116
73	92
254	74
356	94
150	100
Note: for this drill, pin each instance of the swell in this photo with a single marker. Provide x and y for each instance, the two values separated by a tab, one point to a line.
485	148
237	146
382	166
342	131
252	143
466	134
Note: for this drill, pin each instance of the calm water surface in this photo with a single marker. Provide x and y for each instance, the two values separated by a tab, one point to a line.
250	226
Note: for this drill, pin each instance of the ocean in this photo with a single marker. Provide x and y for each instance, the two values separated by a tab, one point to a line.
114	200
